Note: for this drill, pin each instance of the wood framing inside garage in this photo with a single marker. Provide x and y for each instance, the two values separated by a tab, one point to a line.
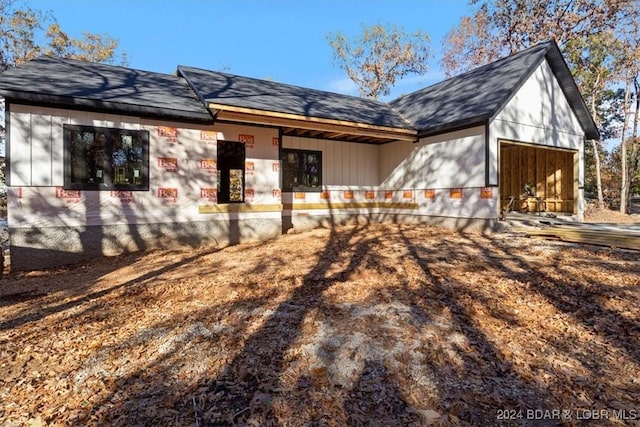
553	174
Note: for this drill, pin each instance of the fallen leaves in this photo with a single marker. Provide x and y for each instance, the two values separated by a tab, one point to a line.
376	324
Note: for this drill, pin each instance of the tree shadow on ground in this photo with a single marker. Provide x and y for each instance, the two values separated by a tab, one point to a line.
251	384
286	322
582	301
31	315
482	361
373	326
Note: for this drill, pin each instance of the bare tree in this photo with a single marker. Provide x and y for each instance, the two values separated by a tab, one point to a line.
503	27
379	56
26	33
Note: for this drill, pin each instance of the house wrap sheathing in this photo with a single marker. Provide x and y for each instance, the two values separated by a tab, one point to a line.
103	160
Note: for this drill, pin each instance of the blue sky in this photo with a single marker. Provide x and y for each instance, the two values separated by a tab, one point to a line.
282	40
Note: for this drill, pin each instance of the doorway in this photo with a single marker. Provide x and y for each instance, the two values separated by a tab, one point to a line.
535	178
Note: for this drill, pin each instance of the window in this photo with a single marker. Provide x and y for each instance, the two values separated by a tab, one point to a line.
105	159
231	157
301	170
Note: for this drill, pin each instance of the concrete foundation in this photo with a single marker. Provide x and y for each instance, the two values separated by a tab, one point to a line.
46	247
306	222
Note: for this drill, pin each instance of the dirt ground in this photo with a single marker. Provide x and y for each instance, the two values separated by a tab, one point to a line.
610	216
362	325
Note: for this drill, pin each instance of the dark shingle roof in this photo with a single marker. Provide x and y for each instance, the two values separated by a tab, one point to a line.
478	95
77	84
465	100
245	92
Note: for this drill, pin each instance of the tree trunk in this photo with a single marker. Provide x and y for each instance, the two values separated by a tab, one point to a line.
624	186
596	157
596	154
635	144
624	170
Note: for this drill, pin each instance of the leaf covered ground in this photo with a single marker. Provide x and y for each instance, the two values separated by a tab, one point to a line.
358	325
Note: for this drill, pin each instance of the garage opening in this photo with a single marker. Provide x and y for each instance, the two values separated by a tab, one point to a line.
538	179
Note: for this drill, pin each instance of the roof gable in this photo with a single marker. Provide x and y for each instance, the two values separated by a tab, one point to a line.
478	96
264	95
571	92
79	84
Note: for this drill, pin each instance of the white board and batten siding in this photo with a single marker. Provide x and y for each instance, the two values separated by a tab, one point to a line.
538	114
454	159
451	160
343	163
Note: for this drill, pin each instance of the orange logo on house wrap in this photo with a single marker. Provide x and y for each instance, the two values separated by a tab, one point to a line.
249	194
168	193
209	164
275	141
168	163
169	133
276	193
486	193
347	194
61	193
249	168
455	193
299	196
275	166
247	140
407	194
208	193
208	135
123	196
325	195
429	193
369	195
388	194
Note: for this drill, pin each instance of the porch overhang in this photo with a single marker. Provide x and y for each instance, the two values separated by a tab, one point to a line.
313	127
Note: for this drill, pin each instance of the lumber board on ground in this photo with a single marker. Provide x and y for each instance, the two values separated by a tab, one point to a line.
610	238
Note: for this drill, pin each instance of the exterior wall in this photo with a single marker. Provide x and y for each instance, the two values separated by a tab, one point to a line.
439	181
343	163
539	114
50	226
454	159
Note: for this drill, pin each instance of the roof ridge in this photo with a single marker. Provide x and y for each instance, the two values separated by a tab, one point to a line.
377	101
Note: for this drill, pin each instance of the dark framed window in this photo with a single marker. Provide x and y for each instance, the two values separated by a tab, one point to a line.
231	161
99	158
301	170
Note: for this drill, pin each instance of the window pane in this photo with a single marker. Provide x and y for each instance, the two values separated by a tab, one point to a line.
290	169
97	157
104	158
136	159
78	158
291	160
301	170
126	159
312	170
